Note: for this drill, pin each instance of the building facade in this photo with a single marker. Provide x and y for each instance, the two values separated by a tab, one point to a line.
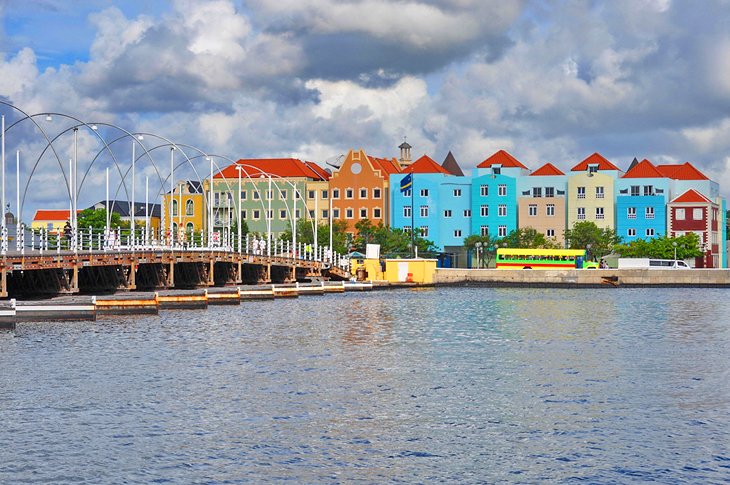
541	202
591	192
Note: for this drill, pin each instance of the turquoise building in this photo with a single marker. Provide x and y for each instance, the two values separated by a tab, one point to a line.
641	199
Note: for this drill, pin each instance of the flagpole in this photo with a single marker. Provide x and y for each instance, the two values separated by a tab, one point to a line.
413	213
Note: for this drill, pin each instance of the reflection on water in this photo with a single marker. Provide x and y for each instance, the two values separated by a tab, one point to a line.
455	385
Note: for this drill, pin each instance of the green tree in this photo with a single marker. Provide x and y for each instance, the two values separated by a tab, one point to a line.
391	240
96	219
688	246
587	234
488	247
528	237
305	234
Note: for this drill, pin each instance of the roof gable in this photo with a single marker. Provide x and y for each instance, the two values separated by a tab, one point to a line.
501	158
452	165
51	215
594	159
277	167
387	165
643	169
686	171
692	195
425	164
547	169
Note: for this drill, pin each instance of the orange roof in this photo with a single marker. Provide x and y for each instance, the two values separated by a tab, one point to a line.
547	169
52	215
643	170
686	171
501	158
692	195
278	167
594	159
425	164
387	165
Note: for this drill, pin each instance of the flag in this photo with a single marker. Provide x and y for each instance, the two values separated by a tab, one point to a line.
406	182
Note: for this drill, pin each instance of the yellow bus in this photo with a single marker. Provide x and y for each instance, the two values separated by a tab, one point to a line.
518	258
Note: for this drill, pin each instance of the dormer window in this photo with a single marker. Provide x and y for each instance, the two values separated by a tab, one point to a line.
593	168
496	169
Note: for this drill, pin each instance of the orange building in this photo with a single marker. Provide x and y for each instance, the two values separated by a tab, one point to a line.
360	189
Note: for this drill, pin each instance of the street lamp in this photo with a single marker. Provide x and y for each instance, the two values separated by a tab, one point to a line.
478	245
238	208
674	243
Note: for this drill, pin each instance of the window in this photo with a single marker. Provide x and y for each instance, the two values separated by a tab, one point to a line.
631	212
457	192
502	190
457	233
270	214
447	213
549	191
407	211
311	214
243	195
537	191
282	214
348	213
324	194
325	214
282	195
593	168
349	193
484	211
599	212
649	214
256	194
424	231
648	190
376	193
424	211
376	213
496	170
174	207
502	210
269	194
467	212
697	214
599	192
650	232
502	231
244	214
631	232
550	233
550	210
484	230
311	194
335	213
532	209
407	229
581	213
635	190
581	192
484	190
297	195
424	192
363	193
407	193
256	214
335	193
216	199
679	214
363	213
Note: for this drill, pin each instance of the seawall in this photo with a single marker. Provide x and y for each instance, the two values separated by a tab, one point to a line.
711	278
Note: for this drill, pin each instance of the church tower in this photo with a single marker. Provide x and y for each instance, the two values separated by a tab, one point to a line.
405	154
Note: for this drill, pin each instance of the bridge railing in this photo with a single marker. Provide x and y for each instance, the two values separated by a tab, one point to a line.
26	240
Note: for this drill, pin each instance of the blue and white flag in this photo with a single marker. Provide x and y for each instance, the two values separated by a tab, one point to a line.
406	183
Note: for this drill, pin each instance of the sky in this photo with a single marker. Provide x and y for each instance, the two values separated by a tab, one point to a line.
547	80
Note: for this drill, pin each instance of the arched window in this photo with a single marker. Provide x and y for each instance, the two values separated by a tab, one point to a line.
174	207
174	228
189	208
189	228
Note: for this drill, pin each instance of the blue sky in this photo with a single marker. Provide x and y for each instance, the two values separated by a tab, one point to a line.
549	81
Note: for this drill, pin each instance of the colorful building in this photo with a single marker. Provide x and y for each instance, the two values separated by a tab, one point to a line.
541	202
591	192
641	201
693	212
360	189
51	220
188	208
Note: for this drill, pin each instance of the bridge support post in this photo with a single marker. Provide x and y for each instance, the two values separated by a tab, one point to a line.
171	275
267	273
211	275
75	278
132	278
4	282
293	274
239	274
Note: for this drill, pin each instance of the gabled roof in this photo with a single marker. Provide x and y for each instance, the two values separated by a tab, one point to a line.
277	167
547	169
122	207
386	165
52	215
595	159
425	164
686	171
692	195
452	165
501	158
643	170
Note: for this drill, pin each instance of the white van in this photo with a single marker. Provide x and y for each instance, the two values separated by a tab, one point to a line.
647	263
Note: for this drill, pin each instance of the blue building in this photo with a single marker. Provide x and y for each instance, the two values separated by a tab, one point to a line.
494	195
641	199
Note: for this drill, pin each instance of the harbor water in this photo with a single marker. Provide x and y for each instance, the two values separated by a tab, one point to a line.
453	385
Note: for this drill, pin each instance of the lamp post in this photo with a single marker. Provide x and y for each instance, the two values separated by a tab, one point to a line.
478	246
674	243
238	208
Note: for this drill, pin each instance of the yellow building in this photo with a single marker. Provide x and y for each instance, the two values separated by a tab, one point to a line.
318	200
188	208
50	219
591	192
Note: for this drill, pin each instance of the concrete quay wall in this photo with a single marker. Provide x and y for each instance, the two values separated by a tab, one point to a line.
584	278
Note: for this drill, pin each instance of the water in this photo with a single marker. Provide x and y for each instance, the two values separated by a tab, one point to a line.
467	385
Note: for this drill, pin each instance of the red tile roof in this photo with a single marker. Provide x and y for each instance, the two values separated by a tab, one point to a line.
643	170
594	159
386	165
425	164
501	158
692	195
278	167
686	171
547	169
52	215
